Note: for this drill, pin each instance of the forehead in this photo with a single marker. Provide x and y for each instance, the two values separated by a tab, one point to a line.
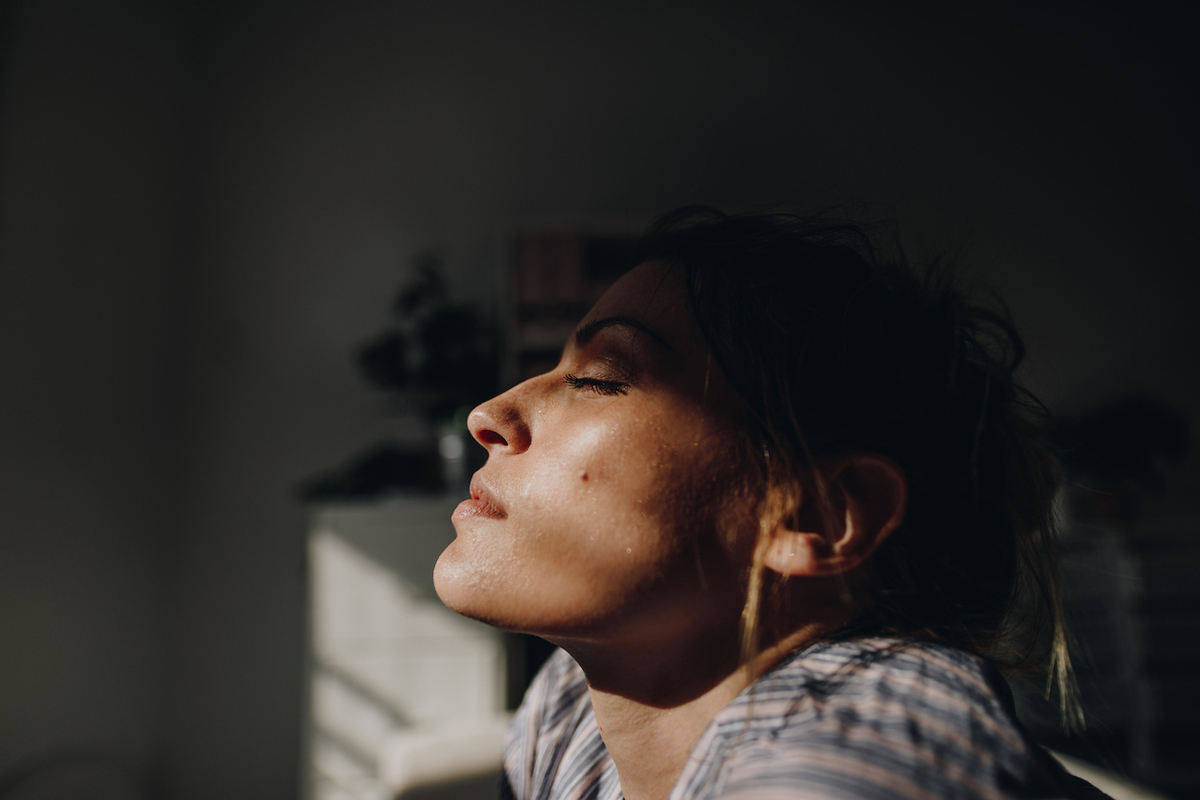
654	293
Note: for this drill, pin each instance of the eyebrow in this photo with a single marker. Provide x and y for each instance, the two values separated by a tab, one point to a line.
585	333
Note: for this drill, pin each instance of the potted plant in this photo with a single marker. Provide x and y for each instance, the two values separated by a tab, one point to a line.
438	358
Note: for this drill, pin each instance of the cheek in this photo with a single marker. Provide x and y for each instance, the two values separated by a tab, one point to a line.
609	470
637	494
596	516
576	519
571	467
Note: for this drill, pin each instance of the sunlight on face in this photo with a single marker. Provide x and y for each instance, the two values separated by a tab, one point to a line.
606	507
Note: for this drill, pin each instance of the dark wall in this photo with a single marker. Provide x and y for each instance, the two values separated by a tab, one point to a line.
207	206
90	190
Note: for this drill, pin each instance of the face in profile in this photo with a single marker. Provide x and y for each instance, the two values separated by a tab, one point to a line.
610	507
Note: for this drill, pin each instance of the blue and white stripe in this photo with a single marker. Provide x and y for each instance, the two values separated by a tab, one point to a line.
869	719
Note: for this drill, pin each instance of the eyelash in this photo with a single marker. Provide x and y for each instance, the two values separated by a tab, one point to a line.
597	385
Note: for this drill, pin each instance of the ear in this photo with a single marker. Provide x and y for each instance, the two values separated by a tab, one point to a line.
868	495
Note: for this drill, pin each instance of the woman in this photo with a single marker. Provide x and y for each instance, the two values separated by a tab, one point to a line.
781	508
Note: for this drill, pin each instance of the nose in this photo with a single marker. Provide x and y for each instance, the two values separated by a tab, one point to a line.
500	423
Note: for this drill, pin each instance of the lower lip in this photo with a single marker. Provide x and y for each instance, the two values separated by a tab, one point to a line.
475	508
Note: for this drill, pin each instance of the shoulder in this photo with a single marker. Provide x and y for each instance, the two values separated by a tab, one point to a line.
881	718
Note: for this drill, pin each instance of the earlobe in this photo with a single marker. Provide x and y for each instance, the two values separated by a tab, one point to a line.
791	552
867	496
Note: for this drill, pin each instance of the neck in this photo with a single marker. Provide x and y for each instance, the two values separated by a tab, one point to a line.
653	704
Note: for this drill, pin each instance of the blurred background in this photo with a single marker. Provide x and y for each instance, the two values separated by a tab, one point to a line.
208	212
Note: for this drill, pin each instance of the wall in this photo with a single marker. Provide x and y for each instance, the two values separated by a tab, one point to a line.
90	173
324	144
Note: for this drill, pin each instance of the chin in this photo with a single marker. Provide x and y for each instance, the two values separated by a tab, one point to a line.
450	583
485	601
463	591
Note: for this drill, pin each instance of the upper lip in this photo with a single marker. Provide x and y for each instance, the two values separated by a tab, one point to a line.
481	491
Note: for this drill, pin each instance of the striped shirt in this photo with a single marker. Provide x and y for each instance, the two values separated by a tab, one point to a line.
867	719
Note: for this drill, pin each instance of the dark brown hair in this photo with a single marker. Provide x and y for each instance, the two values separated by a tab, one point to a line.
834	344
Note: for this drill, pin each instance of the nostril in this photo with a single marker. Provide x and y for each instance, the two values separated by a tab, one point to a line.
489	437
499	423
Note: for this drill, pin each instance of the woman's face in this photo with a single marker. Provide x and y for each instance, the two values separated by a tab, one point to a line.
609	508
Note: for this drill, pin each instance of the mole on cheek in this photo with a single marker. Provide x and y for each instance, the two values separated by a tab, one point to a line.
583	477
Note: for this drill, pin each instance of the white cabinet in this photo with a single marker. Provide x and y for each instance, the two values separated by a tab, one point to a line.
390	666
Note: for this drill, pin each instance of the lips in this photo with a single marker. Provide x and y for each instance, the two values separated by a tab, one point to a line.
480	504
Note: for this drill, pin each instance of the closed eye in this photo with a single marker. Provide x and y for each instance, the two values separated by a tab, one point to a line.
596	385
